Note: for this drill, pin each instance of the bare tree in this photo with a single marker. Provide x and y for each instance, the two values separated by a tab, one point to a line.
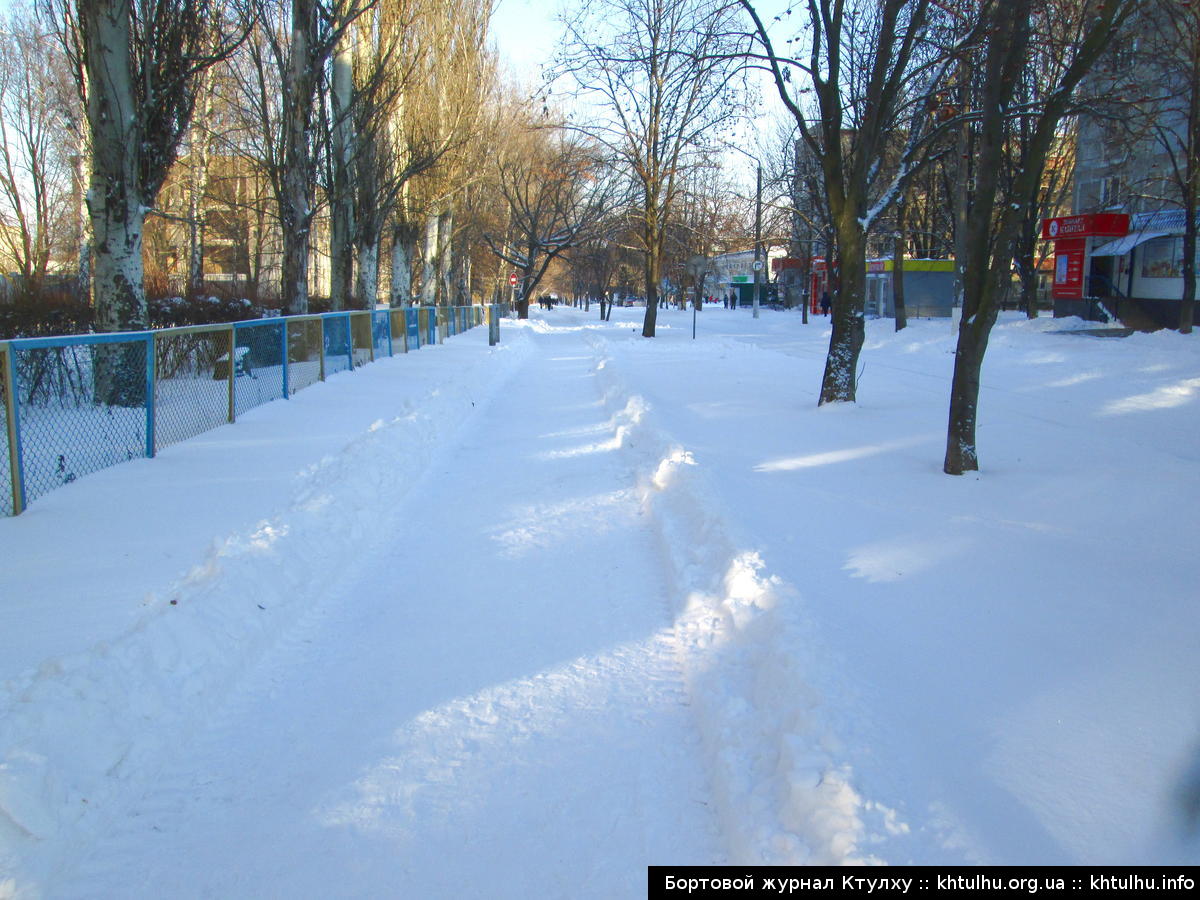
444	122
661	75
866	64
35	174
1173	49
555	190
280	78
139	66
999	211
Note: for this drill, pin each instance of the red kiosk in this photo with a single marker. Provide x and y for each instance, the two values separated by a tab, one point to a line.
1074	239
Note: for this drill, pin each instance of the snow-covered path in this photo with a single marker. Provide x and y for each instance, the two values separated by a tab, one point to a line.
493	687
520	620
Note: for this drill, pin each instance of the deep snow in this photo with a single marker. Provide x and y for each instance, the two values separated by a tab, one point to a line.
534	617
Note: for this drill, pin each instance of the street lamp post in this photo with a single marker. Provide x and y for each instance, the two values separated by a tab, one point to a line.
758	263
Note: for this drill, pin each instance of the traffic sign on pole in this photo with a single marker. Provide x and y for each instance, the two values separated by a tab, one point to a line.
512	279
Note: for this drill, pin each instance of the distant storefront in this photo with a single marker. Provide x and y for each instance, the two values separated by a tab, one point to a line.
928	287
1112	265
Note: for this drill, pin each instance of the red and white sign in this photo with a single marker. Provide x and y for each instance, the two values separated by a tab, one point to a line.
1068	268
512	279
1090	225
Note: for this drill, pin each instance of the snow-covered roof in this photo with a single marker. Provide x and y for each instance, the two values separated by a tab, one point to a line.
1168	221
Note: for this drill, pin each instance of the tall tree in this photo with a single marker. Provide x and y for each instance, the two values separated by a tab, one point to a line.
867	61
997	216
139	65
35	172
661	76
556	191
1173	48
280	80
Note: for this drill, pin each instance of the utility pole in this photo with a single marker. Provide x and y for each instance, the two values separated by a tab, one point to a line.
758	263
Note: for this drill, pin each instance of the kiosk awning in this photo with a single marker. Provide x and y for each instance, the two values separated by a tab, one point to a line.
1121	246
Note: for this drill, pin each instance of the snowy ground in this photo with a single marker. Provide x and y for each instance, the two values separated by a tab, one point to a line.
521	621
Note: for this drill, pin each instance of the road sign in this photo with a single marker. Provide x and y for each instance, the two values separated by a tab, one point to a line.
758	265
512	279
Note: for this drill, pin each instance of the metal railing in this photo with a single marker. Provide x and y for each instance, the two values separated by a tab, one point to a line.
70	406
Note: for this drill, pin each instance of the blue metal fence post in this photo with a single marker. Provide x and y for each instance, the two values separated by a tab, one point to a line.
15	458
350	340
321	322
150	347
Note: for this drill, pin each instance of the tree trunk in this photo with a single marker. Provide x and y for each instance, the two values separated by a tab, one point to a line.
1191	194
1188	300
82	220
115	208
987	257
294	275
429	270
961	454
849	329
653	273
201	138
341	199
445	258
296	202
403	248
368	274
898	307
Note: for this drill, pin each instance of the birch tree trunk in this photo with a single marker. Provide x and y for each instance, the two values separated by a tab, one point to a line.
115	206
198	187
429	271
368	273
445	258
83	175
403	247
341	200
296	206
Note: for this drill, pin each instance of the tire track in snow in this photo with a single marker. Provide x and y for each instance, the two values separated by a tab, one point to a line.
782	796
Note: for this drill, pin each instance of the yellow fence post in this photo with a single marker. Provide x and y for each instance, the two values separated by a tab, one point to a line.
8	369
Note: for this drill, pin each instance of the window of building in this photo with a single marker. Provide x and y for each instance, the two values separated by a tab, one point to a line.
1163	258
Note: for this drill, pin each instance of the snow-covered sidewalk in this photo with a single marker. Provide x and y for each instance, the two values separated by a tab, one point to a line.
523	620
491	683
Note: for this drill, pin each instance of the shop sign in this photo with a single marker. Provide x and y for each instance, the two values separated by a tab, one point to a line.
1089	225
1068	269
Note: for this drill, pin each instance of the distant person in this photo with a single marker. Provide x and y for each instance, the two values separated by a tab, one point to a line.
826	303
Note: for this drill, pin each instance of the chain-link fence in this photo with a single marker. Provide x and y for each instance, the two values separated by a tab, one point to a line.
192	384
70	406
306	352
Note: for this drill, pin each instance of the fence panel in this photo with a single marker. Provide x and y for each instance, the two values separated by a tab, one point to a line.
258	364
8	459
381	333
337	343
360	331
305	338
415	328
399	325
191	384
81	406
